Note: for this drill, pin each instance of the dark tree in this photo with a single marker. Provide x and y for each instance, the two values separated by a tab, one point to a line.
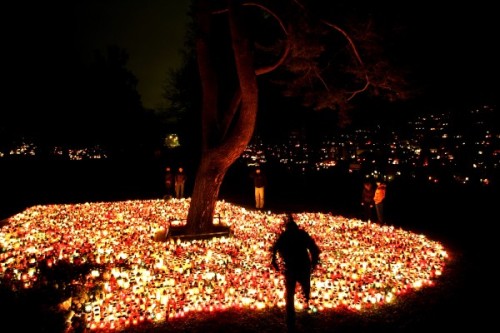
110	112
312	60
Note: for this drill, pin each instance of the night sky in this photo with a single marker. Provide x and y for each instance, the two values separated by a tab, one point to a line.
151	31
453	50
46	39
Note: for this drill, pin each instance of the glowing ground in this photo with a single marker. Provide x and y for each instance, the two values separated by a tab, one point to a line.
132	278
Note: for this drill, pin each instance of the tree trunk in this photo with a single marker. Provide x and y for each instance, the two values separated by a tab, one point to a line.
221	148
207	184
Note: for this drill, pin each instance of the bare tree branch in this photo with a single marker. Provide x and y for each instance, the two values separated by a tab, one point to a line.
356	55
352	47
286	50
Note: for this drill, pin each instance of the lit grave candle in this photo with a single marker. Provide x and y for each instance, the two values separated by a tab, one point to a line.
136	279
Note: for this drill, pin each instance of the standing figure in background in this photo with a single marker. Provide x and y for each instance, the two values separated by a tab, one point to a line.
169	183
378	199
180	181
300	256
367	202
259	182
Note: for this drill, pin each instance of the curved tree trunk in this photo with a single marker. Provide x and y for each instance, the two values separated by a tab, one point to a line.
207	184
222	143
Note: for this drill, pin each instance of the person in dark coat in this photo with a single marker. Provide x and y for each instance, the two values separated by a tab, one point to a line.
367	203
260	182
300	255
180	182
169	182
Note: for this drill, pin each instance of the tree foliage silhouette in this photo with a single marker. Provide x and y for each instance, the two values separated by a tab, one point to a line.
109	109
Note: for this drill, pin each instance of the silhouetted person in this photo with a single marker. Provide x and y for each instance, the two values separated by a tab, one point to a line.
300	255
169	183
367	202
378	199
180	182
259	182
